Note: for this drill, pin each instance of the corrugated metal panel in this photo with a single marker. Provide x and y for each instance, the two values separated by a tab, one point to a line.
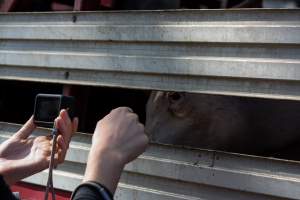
247	53
165	172
233	52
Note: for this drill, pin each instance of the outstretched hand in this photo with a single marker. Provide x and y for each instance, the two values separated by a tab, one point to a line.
22	156
118	139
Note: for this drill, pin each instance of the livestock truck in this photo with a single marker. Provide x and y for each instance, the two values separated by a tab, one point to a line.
114	58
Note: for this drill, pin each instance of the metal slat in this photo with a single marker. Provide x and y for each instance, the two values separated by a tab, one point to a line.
165	172
232	52
285	34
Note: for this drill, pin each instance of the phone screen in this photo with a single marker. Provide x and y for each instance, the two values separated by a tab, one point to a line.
47	109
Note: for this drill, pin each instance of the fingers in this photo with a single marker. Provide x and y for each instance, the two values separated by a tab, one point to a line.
66	129
122	109
144	137
61	121
26	130
62	148
62	127
122	133
65	126
139	141
65	116
61	151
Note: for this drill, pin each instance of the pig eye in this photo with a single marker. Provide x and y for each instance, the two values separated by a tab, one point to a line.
174	96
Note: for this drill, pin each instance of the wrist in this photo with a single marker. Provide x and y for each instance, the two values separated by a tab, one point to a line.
104	167
5	169
15	170
10	172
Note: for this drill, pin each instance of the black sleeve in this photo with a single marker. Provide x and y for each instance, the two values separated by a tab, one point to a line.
5	192
91	191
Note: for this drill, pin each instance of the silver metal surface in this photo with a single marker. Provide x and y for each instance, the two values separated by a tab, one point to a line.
165	172
232	52
280	3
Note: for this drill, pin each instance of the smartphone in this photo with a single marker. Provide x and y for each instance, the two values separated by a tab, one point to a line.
48	106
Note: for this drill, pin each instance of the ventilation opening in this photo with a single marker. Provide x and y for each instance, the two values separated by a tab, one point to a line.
17	99
260	127
93	103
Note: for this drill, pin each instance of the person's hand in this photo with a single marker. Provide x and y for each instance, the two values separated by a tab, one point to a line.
121	135
118	139
22	156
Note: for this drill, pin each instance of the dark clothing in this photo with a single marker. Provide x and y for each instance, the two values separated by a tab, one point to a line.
91	191
5	192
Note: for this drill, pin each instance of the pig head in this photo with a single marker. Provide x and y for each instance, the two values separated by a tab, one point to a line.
193	120
221	122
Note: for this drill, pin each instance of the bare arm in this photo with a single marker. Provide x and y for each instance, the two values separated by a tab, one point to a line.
118	139
22	156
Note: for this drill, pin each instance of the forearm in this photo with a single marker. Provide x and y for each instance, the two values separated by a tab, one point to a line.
118	139
15	170
103	168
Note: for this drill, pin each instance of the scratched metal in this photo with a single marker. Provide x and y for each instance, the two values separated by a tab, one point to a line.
232	52
166	172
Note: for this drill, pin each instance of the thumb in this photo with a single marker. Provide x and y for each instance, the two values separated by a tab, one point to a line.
26	130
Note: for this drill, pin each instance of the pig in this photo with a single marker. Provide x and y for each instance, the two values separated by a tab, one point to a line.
227	123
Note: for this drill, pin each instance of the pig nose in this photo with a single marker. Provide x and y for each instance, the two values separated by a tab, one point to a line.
149	134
